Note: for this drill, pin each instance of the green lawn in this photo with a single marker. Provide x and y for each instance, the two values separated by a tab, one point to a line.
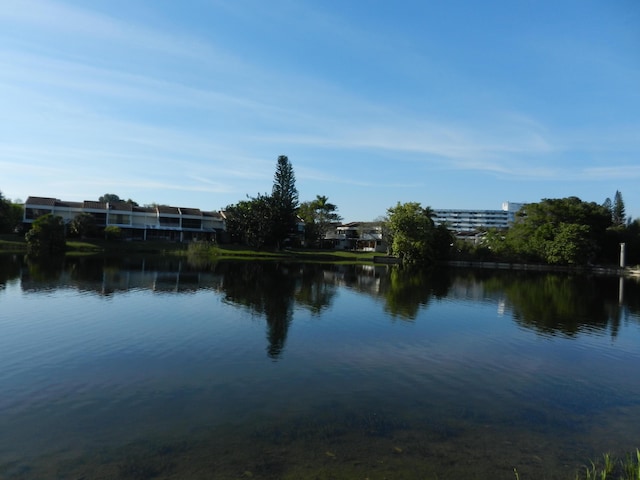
306	255
13	243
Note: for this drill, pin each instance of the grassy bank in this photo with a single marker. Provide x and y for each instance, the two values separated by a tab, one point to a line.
221	252
16	243
12	243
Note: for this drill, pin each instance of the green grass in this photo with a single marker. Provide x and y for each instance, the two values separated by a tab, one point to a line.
13	243
221	252
124	247
609	468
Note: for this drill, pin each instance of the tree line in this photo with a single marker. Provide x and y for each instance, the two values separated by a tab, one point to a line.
565	231
279	219
11	214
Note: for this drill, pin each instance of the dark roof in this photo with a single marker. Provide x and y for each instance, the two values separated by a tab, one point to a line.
52	202
191	211
144	209
95	205
359	224
41	201
350	225
167	209
69	204
121	206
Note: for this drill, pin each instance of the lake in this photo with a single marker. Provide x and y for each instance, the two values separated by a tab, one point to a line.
161	368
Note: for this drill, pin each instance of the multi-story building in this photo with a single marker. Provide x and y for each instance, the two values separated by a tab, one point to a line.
136	223
466	223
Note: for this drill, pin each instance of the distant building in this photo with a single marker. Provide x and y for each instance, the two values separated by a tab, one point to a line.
136	223
468	223
361	236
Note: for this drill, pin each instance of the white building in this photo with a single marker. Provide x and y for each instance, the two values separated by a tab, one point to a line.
361	236
465	223
136	223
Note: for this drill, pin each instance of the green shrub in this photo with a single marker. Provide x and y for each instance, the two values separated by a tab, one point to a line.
112	232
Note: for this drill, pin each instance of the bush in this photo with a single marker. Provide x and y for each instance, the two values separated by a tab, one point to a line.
112	233
47	236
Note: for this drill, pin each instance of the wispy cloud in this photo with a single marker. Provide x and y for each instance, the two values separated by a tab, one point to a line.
613	172
355	101
82	23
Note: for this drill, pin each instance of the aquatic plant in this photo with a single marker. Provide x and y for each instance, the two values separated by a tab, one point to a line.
614	469
609	468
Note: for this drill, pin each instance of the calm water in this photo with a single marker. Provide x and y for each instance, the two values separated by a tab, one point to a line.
160	369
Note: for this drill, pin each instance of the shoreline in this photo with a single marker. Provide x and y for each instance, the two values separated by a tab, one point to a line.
541	267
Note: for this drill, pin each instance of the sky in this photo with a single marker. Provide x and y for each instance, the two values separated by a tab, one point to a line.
452	104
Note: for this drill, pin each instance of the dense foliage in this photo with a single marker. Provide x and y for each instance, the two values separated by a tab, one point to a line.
10	215
414	238
566	231
83	225
249	222
112	232
266	220
47	236
113	198
616	209
318	216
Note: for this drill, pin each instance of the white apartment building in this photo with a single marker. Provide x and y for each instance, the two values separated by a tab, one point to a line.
136	223
467	222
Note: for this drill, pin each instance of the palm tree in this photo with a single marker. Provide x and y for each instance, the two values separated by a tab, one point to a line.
325	214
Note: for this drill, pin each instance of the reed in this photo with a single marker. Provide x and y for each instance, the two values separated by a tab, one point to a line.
609	468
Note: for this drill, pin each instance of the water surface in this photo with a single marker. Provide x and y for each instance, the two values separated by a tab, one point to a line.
155	368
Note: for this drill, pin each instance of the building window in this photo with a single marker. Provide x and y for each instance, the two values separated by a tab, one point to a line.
101	218
119	219
193	223
33	213
169	222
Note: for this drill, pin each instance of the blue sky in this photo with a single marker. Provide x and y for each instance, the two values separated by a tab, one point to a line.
453	104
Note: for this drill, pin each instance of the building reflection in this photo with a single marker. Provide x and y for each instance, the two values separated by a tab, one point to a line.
547	303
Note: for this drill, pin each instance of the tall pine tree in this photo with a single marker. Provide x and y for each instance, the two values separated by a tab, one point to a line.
285	201
617	210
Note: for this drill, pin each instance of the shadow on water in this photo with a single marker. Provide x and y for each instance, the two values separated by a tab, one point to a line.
267	289
561	304
548	303
10	266
407	291
433	432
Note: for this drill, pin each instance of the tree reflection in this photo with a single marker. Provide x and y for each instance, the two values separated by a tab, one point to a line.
409	290
9	269
266	288
631	289
315	292
548	303
44	271
560	304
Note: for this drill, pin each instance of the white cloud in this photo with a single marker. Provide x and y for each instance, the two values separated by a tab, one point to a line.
78	22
